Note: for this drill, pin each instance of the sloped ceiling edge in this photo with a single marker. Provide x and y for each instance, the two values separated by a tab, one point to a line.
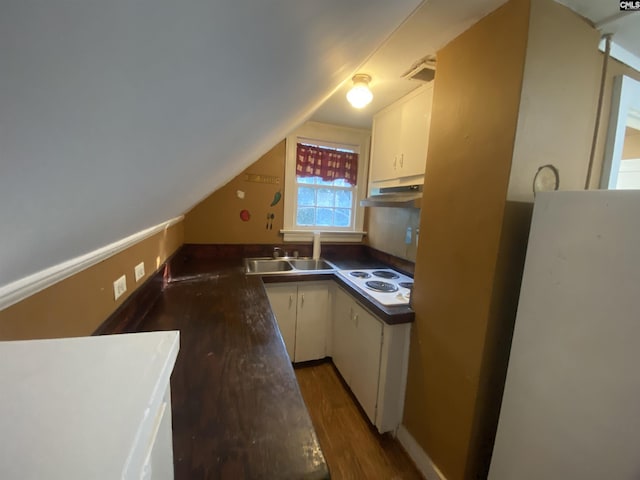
115	116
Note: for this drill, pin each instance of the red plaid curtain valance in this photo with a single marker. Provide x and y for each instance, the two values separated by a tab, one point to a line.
326	163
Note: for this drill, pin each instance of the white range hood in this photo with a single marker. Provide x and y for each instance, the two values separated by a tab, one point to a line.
400	197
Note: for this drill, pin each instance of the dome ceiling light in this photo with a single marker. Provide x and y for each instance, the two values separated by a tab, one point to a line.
360	96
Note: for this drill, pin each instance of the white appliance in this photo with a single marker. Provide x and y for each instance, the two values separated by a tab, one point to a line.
571	404
88	407
384	285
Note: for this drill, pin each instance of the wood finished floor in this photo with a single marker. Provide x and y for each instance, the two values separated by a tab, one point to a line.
353	448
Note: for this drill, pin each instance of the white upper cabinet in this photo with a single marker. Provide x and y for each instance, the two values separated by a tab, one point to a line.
384	144
400	139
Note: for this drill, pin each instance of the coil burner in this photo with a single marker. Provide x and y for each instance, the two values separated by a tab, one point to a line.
385	274
378	286
383	285
359	274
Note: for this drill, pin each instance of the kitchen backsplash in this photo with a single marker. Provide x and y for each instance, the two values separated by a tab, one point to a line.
394	230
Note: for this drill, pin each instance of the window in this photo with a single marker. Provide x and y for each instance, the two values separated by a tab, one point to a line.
329	201
321	200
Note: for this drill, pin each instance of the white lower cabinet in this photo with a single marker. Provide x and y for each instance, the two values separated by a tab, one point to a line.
357	345
85	408
320	319
372	358
283	298
302	312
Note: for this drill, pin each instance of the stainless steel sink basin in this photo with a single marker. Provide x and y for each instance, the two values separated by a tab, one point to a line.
310	264
267	265
285	265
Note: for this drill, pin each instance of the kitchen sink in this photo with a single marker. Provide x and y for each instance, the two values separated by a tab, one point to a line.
310	264
285	265
267	265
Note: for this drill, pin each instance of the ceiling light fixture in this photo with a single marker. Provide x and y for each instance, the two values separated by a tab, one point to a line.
360	96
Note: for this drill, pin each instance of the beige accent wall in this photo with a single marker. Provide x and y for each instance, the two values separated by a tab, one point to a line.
473	128
217	218
77	305
631	148
559	98
387	228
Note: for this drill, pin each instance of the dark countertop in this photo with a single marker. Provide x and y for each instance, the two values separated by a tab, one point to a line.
237	409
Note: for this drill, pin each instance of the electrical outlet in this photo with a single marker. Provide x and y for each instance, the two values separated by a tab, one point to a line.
139	271
119	287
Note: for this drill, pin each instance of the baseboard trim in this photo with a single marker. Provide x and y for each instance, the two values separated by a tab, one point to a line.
418	455
18	290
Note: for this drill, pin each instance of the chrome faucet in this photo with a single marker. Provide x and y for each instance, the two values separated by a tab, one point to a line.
277	251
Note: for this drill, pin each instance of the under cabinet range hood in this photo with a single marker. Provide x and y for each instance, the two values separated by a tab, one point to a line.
400	197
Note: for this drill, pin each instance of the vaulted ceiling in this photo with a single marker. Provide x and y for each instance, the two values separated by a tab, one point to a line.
117	115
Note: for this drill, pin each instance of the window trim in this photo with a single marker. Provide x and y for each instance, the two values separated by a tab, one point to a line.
328	135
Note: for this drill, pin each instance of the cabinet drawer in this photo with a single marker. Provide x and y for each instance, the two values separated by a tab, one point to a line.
151	456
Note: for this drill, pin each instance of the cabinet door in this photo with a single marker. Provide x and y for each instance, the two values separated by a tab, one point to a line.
283	299
367	349
343	334
414	138
311	328
159	462
385	150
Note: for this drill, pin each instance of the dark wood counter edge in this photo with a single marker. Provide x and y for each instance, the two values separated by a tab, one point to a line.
128	316
131	313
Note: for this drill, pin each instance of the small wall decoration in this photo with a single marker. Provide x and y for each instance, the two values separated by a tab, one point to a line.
256	178
245	216
270	217
276	198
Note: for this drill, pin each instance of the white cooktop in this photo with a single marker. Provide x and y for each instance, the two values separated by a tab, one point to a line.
370	280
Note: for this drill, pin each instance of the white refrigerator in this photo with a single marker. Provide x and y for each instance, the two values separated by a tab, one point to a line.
571	404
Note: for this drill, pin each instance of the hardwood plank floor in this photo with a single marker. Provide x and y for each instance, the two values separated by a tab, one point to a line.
353	448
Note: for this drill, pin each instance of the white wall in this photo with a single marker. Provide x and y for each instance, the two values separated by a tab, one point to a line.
558	101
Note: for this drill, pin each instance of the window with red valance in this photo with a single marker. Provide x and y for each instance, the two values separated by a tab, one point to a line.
325	180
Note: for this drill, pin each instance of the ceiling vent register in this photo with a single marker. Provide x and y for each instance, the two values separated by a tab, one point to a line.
423	70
